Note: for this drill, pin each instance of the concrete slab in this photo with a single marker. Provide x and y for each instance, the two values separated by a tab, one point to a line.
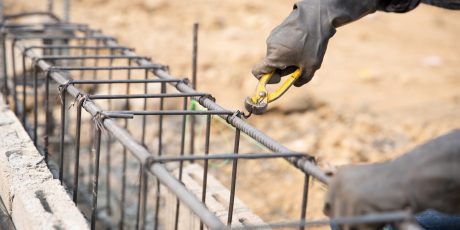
32	197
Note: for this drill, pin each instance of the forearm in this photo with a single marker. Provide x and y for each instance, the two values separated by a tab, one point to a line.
341	12
447	4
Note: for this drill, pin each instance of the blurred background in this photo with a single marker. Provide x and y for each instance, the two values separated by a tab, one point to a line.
388	82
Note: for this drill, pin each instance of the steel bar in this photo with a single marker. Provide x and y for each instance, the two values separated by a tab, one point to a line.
1	11
303	207
195	55
50	5
77	151
65	57
139	197
139	152
47	116
13	66
77	47
390	217
160	148
194	83
181	163
96	176
35	29
62	37
25	27
109	149
96	62
46	24
124	162
205	166
142	202
236	149
29	14
121	81
304	165
66	10
83	53
62	95
24	90
4	65
132	96
226	156
35	79
144	118
169	112
79	68
123	183
119	115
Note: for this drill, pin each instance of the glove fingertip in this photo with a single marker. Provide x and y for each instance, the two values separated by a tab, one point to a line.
304	78
261	69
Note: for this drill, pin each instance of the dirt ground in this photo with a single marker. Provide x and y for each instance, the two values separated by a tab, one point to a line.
388	81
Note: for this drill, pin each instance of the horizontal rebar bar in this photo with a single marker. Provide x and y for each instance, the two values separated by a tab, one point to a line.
71	47
133	96
52	25
227	156
390	217
35	28
63	57
27	14
172	112
24	30
123	81
83	68
64	37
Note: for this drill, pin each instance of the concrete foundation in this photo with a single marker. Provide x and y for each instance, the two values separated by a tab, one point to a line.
31	196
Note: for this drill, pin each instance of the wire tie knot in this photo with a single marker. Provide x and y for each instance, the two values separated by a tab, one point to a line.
98	120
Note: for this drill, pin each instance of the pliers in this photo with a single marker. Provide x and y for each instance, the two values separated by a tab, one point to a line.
258	103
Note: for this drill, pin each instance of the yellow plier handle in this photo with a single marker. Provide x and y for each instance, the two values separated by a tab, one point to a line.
258	103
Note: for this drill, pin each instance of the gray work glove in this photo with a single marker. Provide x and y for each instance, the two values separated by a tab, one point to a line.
447	4
428	177
301	39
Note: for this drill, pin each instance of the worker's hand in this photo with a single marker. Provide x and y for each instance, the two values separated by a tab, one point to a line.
301	39
299	42
425	178
364	189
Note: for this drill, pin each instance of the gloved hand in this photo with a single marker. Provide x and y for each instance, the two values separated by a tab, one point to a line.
428	177
301	39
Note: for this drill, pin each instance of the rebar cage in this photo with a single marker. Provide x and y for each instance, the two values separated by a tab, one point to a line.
152	146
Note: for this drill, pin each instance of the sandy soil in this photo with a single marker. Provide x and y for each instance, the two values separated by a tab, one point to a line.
388	81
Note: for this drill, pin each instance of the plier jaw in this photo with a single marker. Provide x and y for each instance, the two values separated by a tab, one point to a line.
256	108
258	104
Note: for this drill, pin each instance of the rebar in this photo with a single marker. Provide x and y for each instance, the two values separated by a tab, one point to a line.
88	61
50	5
66	10
1	11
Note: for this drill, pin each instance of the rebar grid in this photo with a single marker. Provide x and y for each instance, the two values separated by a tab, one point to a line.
72	61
